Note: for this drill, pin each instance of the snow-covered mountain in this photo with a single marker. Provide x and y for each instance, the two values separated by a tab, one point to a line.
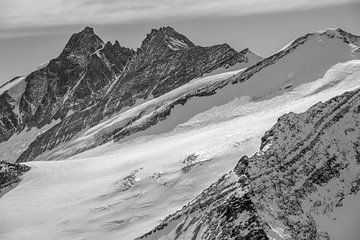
121	175
304	60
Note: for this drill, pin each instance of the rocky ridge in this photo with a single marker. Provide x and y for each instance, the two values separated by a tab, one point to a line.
10	175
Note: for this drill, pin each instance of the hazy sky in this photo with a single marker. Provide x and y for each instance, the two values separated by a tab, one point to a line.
34	31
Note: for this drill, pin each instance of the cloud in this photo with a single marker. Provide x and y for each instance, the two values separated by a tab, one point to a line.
39	13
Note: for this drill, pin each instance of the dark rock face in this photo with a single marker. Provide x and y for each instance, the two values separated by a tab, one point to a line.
308	164
91	81
60	87
10	173
223	211
117	56
165	61
311	165
9	121
76	79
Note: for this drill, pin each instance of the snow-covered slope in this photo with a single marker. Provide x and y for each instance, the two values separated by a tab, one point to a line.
302	61
121	191
303	184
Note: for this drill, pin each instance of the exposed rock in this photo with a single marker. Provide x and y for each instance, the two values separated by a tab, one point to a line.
312	164
223	211
10	175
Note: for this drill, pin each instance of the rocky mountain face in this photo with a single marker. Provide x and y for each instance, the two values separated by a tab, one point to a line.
223	211
56	89
72	81
295	187
91	80
167	60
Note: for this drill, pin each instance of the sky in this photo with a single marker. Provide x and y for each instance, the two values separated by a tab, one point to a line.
34	31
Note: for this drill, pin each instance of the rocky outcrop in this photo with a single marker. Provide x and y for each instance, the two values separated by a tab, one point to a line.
91	81
9	121
10	175
223	211
308	165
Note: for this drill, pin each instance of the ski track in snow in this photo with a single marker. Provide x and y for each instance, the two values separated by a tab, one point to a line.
120	191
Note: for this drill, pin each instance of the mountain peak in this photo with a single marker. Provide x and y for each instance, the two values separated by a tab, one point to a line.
341	34
166	37
250	56
84	42
167	29
88	29
316	37
332	30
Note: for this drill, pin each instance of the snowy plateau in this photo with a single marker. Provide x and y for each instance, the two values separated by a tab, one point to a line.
145	170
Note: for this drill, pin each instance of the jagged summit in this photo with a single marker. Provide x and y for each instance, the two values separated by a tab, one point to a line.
338	31
88	29
84	42
250	55
166	37
343	35
245	51
117	55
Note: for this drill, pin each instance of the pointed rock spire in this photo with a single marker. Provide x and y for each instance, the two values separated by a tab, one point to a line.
83	43
117	55
166	37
